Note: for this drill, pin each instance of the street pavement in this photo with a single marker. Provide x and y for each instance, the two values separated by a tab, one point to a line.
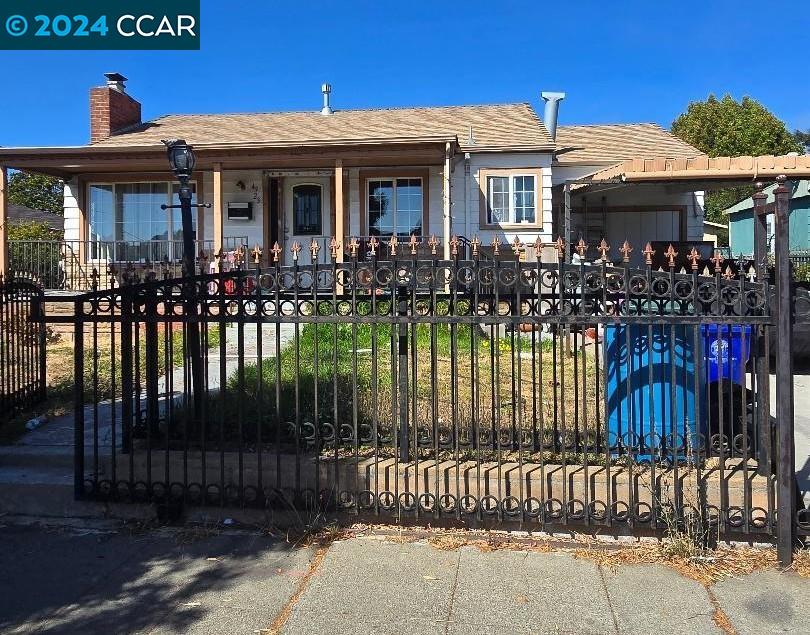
68	580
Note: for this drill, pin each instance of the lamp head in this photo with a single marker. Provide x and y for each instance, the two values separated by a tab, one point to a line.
181	157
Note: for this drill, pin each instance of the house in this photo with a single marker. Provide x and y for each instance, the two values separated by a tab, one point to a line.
741	220
20	214
488	171
715	233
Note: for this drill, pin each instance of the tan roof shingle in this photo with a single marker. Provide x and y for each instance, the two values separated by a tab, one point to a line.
612	143
493	126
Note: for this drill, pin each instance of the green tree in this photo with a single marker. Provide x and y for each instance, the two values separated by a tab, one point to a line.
803	137
36	191
726	127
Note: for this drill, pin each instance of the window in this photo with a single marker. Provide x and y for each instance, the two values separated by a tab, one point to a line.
127	224
511	199
307	209
395	206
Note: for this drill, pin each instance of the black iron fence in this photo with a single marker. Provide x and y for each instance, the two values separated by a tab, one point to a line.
22	346
494	390
69	264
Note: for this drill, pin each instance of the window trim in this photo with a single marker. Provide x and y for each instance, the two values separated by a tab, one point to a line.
483	184
126	179
292	195
405	173
393	180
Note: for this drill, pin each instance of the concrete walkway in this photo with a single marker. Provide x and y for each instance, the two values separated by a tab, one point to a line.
58	580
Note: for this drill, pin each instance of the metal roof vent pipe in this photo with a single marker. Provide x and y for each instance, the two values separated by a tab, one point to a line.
552	109
326	89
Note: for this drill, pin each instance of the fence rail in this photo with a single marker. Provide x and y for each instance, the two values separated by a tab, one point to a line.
69	264
494	390
22	347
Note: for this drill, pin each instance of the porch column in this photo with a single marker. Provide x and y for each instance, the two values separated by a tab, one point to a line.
218	215
446	225
340	234
3	221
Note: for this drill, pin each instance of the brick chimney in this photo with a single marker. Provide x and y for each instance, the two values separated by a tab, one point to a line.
111	109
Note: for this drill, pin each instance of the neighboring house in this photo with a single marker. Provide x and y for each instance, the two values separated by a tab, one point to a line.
741	220
20	214
486	171
715	233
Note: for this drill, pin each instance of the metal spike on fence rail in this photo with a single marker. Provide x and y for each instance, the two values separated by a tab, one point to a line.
257	254
718	260
626	249
414	242
693	257
648	252
433	242
454	245
496	244
334	247
314	248
276	251
603	249
538	248
671	254
295	249
728	274
354	245
582	248
392	245
372	245
559	245
517	246
475	243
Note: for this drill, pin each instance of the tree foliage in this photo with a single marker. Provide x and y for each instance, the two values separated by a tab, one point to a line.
803	137
36	191
726	127
32	230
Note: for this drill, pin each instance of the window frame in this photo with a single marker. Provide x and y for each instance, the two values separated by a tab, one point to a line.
394	177
87	214
484	176
320	219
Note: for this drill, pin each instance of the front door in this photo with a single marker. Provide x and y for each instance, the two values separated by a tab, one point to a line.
307	205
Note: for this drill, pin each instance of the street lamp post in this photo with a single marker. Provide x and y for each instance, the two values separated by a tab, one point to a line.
182	161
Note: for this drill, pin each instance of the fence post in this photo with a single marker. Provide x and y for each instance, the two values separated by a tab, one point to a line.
402	309
78	403
785	476
762	341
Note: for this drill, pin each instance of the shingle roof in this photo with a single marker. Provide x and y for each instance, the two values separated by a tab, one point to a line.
612	143
22	214
493	126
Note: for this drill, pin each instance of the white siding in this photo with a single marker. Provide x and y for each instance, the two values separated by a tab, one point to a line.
72	211
253	230
467	221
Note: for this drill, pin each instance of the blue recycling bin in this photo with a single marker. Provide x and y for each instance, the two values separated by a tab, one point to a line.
650	390
727	349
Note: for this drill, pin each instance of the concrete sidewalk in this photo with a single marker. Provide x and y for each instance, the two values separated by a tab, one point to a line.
60	580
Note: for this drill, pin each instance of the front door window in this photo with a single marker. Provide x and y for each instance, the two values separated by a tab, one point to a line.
307	206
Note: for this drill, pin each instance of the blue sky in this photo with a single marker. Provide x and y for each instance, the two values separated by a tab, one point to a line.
618	61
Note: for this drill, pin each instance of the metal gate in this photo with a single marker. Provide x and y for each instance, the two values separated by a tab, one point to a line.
22	346
491	389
